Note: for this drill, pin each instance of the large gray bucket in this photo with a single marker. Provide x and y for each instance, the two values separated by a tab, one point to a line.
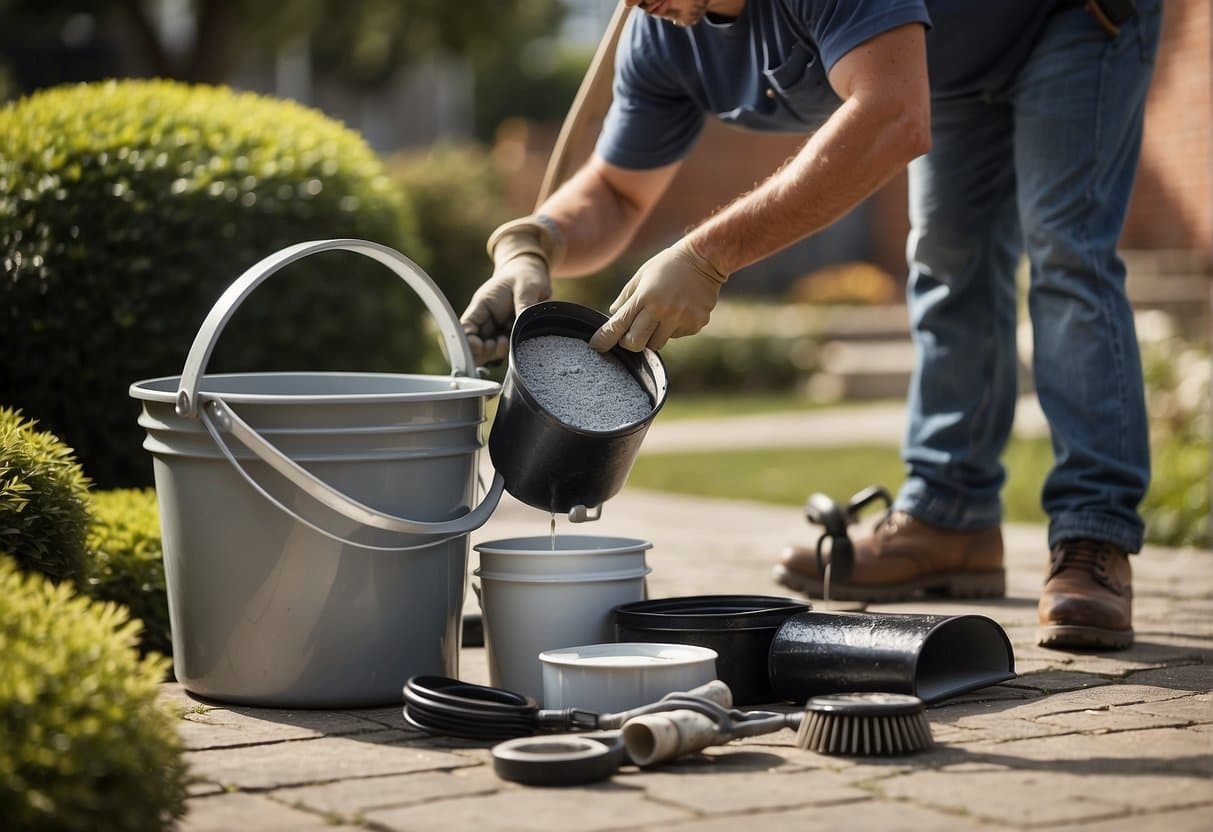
315	524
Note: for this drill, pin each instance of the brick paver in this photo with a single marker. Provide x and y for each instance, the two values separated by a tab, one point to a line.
1088	741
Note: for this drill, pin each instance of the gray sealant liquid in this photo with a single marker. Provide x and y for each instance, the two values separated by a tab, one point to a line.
580	386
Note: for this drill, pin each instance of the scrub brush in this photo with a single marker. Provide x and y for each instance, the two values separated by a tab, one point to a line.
864	724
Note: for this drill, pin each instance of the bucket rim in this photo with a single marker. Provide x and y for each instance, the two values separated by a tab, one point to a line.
570	578
463	387
575	657
709	613
617	546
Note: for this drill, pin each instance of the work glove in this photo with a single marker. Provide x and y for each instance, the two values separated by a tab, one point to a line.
672	295
523	253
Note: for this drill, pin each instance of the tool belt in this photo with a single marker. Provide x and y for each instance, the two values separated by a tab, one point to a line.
1110	14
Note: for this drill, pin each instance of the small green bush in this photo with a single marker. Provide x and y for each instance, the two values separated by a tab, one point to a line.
459	197
125	210
43	500
84	744
127	562
750	363
1178	377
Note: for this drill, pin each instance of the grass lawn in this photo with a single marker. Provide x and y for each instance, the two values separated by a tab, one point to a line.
788	475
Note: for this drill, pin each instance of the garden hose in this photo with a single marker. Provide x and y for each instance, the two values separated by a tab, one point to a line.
449	707
677	724
592	99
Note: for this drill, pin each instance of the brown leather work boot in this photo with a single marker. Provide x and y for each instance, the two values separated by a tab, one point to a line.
902	558
1087	601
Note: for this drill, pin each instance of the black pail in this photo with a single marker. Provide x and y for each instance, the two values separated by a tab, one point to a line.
545	462
738	627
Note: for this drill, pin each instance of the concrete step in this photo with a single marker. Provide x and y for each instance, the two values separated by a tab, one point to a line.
863	370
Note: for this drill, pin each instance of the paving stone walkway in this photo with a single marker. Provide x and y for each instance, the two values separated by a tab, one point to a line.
1098	742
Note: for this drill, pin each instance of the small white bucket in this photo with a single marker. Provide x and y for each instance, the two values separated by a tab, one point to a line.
545	556
536	600
609	678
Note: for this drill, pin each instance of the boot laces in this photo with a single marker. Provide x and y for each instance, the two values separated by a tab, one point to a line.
1085	554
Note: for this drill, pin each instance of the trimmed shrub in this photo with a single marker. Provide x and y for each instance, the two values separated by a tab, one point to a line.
85	744
459	197
125	210
750	363
127	562
43	500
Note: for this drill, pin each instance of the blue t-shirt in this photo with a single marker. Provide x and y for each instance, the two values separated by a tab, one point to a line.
767	69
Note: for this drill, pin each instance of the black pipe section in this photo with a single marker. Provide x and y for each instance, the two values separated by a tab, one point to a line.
932	657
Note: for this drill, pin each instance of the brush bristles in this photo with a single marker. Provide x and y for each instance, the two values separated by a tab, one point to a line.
871	735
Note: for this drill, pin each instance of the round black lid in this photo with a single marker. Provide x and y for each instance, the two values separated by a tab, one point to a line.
709	612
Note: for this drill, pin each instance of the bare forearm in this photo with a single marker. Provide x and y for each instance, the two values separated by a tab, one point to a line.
597	222
860	148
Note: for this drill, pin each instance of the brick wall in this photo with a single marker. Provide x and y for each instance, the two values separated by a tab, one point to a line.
1172	205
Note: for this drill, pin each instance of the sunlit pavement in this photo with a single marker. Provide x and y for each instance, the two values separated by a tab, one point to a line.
1091	741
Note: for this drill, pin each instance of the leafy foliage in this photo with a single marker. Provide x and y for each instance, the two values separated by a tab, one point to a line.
85	743
127	561
127	207
43	500
363	42
1176	508
738	362
529	79
459	196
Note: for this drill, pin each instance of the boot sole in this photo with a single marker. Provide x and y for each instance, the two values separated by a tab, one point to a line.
1064	636
991	584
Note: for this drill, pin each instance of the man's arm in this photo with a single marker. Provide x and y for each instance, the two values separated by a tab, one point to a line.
883	124
599	210
578	229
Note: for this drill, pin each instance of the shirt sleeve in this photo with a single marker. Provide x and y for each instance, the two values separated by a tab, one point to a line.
652	121
838	26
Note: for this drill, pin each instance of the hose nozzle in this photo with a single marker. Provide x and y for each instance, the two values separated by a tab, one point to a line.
657	738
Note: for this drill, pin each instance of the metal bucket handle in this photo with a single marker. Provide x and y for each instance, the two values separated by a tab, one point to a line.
217	416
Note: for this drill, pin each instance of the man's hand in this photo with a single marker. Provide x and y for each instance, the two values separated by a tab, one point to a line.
672	295
516	284
523	252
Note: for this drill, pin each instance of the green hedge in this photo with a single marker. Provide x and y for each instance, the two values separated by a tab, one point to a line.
43	500
459	196
127	207
127	561
86	744
738	363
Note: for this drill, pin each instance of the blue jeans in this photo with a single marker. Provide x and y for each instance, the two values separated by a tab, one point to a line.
1046	167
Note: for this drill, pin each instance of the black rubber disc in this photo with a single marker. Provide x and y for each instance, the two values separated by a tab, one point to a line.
556	761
